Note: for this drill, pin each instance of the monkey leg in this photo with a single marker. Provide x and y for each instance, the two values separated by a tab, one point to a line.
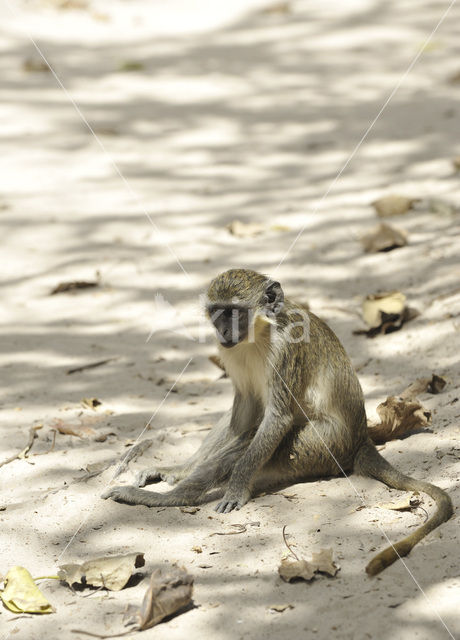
193	489
213	442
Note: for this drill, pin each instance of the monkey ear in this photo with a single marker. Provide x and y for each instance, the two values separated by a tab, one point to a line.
273	298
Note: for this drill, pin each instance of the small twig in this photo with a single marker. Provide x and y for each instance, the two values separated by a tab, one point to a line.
135	451
99	635
91	365
23	453
241	528
288	545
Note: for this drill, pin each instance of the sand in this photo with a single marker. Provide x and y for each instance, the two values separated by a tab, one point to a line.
206	113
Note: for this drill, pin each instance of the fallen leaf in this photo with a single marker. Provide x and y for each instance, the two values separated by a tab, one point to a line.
323	562
169	591
80	429
393	205
279	608
21	594
385	312
35	64
408	503
110	572
290	570
64	287
191	510
197	549
377	307
456	163
245	229
433	385
398	416
91	403
383	238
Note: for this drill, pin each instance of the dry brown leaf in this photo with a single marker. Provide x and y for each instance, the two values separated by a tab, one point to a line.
324	563
169	591
290	570
383	238
380	305
64	287
245	229
300	569
409	502
385	312
110	572
81	429
433	385
398	416
393	205
191	510
90	403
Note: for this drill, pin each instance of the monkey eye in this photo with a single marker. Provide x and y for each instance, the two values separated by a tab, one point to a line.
270	296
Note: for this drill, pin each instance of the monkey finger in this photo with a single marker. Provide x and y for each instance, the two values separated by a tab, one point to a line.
146	476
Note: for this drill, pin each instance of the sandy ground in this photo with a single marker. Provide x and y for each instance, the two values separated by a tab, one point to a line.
228	112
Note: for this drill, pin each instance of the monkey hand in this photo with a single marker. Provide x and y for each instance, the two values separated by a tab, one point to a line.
148	476
233	500
125	493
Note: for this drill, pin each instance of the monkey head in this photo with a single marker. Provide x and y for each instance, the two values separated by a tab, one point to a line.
240	299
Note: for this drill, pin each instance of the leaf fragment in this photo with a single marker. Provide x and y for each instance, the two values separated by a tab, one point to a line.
169	591
385	312
383	237
110	572
21	594
245	229
398	416
64	287
279	608
433	385
393	205
301	569
408	503
90	403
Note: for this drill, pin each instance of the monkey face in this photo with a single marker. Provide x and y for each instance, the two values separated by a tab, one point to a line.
231	322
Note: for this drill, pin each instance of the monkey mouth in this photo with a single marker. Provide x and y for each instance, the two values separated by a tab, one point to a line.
227	345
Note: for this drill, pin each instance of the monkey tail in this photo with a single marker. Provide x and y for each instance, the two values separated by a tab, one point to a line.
369	462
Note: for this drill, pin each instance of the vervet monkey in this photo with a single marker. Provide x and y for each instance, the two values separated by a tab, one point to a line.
298	412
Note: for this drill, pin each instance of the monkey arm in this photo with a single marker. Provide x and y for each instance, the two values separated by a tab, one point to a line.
277	421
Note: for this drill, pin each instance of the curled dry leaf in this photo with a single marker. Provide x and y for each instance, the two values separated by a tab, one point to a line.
433	385
245	229
393	205
301	569
191	510
169	591
398	416
110	572
21	594
383	238
408	503
385	312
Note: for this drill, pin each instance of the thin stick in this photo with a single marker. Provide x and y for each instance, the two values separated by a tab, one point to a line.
135	451
23	453
288	545
91	365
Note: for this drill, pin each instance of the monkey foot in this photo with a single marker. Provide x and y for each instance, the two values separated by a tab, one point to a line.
126	494
225	506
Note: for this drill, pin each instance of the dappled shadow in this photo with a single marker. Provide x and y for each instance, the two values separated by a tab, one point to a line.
251	122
